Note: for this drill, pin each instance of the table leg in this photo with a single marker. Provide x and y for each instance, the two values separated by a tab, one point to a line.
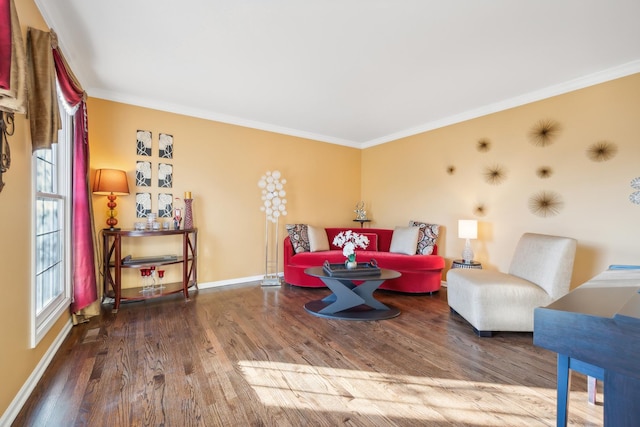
365	291
564	383
345	298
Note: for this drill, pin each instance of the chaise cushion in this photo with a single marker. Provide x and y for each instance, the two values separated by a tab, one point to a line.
489	300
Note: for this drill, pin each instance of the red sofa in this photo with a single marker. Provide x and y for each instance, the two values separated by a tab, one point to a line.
420	273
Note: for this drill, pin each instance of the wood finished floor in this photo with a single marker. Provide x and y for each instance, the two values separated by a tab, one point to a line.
251	356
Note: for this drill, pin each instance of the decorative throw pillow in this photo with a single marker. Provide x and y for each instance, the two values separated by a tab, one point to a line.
427	236
298	233
404	240
373	242
318	240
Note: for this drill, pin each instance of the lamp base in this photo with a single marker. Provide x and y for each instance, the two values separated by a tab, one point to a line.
112	228
271	281
467	252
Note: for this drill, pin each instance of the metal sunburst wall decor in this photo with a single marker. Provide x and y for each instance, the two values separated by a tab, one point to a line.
544	132
495	174
480	210
635	196
544	172
483	145
545	203
602	151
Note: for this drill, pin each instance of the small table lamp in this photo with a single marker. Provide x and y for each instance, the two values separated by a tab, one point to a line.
467	229
111	183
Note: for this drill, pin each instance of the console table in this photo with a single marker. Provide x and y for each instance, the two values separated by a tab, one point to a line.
595	329
112	265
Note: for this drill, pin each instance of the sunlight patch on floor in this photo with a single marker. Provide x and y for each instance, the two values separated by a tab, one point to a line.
424	398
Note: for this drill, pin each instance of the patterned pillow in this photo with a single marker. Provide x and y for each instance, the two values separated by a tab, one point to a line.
427	236
299	235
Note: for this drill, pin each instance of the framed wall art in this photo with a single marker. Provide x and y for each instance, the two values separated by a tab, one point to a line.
165	205
143	174
143	143
143	204
165	146
165	175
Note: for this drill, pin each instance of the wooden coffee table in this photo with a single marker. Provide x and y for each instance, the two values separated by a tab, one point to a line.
352	297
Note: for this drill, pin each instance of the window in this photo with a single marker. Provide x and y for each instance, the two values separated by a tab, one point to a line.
51	283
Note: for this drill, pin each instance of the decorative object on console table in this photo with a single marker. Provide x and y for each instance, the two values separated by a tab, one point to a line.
274	206
467	229
188	212
112	183
177	217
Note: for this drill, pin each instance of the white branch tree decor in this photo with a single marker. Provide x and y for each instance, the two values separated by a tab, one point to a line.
274	206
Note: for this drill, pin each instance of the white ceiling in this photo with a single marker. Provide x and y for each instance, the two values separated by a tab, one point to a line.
351	72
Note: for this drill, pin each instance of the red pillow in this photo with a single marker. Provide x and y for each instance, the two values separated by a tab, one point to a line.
373	242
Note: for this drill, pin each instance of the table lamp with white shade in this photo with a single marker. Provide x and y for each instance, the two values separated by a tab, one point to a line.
467	229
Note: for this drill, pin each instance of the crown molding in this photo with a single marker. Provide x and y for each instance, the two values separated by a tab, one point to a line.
559	89
218	117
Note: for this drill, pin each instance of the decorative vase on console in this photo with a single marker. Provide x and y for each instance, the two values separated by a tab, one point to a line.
188	214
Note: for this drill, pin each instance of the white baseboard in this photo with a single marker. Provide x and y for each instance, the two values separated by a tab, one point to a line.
27	388
219	283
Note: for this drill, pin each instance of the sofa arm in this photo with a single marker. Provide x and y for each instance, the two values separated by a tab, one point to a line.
287	250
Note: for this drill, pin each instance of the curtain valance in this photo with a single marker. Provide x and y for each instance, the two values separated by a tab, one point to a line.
13	72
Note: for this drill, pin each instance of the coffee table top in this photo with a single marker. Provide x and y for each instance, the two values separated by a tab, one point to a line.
385	274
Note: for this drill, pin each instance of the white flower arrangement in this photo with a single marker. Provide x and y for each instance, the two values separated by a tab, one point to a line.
349	241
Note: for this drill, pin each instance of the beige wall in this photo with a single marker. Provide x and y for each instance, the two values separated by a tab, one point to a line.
17	359
221	165
408	179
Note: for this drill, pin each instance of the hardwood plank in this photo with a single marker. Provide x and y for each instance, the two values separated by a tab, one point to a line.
251	356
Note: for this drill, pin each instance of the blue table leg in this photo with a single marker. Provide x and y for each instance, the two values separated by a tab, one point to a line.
564	383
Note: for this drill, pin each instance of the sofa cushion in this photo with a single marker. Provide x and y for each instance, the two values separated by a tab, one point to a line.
298	233
427	236
318	240
404	240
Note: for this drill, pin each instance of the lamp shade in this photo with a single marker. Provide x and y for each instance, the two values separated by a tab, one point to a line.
110	181
468	229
